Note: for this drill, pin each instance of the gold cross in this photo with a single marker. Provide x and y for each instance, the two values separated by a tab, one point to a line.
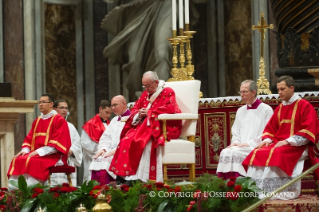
262	27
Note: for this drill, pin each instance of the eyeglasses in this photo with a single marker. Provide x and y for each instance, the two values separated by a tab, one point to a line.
63	108
149	85
242	92
43	102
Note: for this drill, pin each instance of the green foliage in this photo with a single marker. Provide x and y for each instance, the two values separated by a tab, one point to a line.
209	193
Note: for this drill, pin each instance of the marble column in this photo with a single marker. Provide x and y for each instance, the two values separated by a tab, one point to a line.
1	43
256	8
10	113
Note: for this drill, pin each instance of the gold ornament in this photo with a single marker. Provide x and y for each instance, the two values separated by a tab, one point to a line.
101	204
81	208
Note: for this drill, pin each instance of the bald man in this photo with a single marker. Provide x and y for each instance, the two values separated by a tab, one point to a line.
109	142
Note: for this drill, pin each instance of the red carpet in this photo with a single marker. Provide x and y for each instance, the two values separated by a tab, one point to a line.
303	203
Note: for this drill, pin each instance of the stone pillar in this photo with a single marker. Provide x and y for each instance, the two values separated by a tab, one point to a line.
10	110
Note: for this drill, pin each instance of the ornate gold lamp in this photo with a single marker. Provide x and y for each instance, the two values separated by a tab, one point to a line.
101	204
262	82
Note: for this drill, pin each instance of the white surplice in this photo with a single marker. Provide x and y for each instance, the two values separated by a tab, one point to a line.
270	178
90	148
59	178
248	127
109	142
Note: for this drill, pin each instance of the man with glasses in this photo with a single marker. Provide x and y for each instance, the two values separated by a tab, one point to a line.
290	133
92	131
247	129
109	142
46	145
75	152
139	153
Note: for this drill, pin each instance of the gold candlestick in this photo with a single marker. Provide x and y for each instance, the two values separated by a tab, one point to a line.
174	70
189	67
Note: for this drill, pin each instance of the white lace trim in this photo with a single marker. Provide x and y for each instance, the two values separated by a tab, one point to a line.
49	115
292	99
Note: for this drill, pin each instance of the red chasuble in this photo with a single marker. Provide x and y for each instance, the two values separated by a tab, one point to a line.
95	128
298	118
134	138
52	132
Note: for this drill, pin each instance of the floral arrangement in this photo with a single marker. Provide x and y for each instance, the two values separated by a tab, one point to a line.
208	193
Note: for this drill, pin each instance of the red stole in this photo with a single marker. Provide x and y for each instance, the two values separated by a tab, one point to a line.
95	128
134	138
298	118
52	132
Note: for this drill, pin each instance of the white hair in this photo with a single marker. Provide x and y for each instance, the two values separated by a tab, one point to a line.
151	75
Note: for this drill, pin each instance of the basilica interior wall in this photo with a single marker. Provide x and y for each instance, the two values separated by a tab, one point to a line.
238	44
60	55
14	59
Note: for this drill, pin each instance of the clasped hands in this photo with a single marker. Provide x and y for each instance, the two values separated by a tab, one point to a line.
142	112
104	154
22	153
278	144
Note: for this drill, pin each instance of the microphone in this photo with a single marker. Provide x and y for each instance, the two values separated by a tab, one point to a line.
67	114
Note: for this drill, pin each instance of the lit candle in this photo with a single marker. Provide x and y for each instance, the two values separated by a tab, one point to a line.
174	14
181	14
186	11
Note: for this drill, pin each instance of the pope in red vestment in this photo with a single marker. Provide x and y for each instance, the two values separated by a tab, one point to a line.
137	134
45	132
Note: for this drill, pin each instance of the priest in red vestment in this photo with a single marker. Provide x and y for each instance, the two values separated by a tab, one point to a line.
92	131
286	138
46	145
139	155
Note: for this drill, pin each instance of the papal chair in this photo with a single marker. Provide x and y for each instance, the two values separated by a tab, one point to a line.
180	151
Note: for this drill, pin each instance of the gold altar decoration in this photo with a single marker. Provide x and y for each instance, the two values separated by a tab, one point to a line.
81	208
40	210
183	40
101	204
262	82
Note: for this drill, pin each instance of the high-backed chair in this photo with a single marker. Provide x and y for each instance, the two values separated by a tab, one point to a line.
180	151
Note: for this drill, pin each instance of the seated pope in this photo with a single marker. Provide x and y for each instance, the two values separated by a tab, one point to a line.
247	129
46	145
109	142
139	153
289	135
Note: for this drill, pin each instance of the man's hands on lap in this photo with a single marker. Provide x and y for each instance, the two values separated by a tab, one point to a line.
262	144
233	144
34	153
109	153
20	154
99	153
281	143
244	145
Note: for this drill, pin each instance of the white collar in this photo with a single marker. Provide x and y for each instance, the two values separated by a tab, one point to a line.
250	105
292	99
49	115
159	89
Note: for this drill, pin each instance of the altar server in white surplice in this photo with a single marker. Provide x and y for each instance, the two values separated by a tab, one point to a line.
92	131
75	152
247	130
109	142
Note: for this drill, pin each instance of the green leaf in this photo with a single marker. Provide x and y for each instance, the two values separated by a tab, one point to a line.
14	183
162	206
242	180
22	185
33	186
28	205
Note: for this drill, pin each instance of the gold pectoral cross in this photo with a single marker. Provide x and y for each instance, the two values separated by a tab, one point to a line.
262	27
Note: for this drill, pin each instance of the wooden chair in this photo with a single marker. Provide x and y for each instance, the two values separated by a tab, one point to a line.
62	169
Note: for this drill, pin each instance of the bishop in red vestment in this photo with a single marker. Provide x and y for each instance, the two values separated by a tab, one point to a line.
47	143
92	131
286	138
138	155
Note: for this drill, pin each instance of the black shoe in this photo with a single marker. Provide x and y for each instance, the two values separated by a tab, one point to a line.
119	180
